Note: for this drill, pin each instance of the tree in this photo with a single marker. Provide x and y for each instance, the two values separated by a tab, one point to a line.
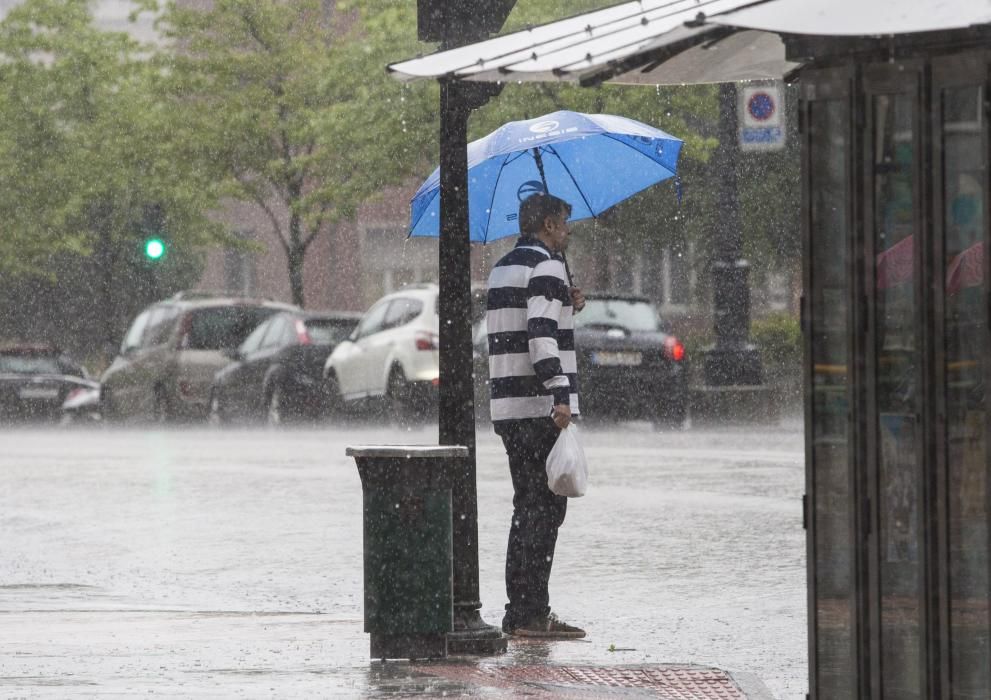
82	164
289	104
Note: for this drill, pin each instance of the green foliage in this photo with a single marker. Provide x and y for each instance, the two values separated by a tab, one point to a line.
80	153
83	161
779	338
533	12
290	103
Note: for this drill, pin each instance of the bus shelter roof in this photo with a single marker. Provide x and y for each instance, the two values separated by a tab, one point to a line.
683	41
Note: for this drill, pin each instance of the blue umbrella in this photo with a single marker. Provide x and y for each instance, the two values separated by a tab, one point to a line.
593	161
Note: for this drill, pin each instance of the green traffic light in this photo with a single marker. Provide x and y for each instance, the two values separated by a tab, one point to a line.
154	248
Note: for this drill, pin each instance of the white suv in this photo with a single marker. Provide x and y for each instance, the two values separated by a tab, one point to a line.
393	354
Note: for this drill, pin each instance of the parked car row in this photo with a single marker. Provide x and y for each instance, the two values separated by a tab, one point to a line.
172	352
200	356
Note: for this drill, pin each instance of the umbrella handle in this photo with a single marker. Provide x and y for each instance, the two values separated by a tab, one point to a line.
567	271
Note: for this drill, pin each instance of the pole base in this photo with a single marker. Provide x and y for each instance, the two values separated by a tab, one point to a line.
407	646
472	636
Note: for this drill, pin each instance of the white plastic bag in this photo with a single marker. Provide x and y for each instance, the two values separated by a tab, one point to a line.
567	470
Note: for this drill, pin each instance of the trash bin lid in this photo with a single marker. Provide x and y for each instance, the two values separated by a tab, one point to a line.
407	451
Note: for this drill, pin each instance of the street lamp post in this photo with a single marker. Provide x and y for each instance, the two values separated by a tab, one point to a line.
457	406
455	23
733	360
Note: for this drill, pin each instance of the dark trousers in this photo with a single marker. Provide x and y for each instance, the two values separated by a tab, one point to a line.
537	515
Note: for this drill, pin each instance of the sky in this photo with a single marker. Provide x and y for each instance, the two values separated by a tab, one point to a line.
109	14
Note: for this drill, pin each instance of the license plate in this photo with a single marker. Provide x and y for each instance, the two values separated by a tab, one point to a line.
617	358
38	392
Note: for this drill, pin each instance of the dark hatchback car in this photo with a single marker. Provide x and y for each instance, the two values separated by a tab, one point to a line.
36	380
629	365
277	372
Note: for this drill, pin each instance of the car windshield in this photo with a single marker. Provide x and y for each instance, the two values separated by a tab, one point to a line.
224	326
29	364
325	331
629	314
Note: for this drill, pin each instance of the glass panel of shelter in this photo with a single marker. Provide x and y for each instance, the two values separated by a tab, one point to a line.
924	347
961	223
828	279
895	463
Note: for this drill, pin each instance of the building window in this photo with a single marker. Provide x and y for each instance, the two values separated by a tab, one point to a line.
390	260
667	279
240	272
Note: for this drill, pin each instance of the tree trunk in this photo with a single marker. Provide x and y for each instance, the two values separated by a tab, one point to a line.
296	250
294	257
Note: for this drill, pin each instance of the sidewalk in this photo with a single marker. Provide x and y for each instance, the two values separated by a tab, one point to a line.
198	564
85	653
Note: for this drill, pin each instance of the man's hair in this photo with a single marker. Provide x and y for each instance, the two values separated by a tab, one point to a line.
535	208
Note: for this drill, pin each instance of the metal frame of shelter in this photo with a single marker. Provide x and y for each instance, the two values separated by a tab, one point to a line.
896	130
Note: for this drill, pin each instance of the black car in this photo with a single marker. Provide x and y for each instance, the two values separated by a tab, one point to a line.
36	380
629	364
276	373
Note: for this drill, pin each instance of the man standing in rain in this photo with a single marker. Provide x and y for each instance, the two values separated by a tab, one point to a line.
533	373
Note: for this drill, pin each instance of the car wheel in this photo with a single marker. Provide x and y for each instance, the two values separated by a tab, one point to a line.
161	411
216	415
108	411
334	405
276	414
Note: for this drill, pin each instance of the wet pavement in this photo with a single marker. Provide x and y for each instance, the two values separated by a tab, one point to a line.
199	563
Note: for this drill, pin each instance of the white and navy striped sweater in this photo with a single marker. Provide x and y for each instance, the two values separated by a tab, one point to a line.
532	363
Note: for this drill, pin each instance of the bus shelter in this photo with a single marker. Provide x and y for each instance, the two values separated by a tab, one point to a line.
895	128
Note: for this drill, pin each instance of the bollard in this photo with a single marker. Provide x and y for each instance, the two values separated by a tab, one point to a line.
408	566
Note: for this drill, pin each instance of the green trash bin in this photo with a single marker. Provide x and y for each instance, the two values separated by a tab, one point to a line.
409	598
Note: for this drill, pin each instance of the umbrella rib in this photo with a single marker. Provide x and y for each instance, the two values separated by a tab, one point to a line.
564	165
414	224
495	187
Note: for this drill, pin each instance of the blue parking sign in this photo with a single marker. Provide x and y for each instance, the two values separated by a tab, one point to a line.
761	116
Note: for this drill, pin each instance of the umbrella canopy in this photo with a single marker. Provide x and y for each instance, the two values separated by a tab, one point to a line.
592	161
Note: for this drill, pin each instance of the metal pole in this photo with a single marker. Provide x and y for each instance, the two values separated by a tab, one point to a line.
732	360
457	406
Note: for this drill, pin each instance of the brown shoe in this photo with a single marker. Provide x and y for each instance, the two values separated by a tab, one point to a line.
548	627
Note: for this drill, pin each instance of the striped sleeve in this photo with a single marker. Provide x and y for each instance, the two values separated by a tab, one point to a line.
547	293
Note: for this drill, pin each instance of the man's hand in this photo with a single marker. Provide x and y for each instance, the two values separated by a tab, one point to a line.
561	415
577	298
